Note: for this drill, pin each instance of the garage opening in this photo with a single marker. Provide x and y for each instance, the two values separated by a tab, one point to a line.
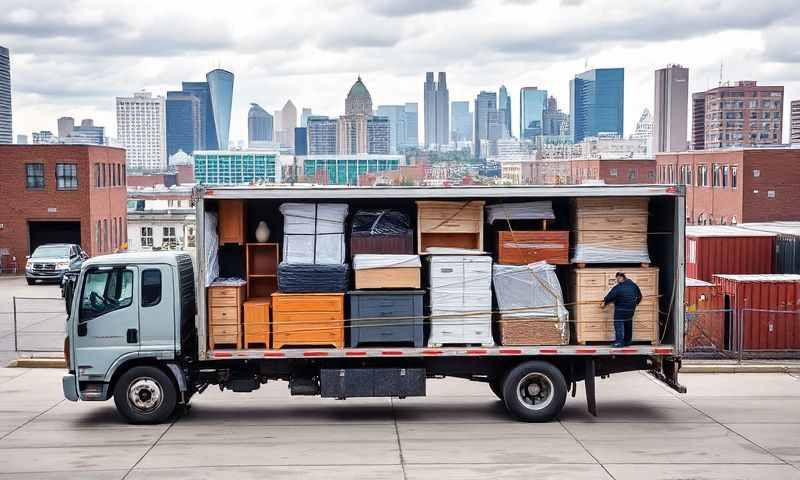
43	232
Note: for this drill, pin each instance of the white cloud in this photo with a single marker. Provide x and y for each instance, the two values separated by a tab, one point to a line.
75	60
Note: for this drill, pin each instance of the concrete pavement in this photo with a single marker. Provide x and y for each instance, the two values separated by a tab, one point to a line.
738	426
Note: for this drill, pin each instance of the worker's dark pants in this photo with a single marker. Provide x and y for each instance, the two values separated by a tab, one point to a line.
623	330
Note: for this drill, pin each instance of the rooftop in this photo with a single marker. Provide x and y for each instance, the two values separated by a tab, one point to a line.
776	277
723	231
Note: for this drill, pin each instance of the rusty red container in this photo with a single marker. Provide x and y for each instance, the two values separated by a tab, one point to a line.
705	330
766	306
719	249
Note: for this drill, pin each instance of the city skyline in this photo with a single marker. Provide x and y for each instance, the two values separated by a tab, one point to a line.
757	46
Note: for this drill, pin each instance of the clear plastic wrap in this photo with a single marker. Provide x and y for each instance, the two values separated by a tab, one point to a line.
313	278
368	261
609	253
313	233
380	222
211	245
611	230
542	210
530	292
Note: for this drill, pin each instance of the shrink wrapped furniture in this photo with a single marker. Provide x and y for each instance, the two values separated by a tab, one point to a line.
387	271
449	224
542	210
312	278
611	230
313	233
211	247
461	300
595	324
532	310
383	317
523	247
381	232
302	319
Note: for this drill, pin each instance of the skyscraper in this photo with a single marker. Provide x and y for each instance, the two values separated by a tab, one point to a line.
504	105
553	119
358	100
485	113
141	128
437	110
378	136
65	126
321	132
644	131
461	121
304	117
301	141
532	104
86	133
412	124
357	130
671	109
183	122
699	121
597	103
259	124
220	85
397	125
5	96
287	125
208	130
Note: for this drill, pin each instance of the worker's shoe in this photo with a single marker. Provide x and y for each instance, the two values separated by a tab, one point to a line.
617	345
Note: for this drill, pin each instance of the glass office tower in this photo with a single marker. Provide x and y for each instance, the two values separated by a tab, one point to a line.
596	103
220	85
532	104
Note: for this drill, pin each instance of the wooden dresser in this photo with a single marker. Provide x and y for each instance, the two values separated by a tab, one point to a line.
256	322
594	324
225	315
520	247
449	224
611	230
300	319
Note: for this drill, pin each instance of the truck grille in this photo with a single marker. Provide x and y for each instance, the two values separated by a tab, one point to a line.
44	267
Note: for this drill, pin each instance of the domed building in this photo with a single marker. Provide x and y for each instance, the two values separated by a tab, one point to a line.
358	100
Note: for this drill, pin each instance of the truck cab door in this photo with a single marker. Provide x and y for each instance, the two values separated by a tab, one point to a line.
107	327
157	311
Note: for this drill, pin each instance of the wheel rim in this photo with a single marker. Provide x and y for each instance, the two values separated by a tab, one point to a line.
145	394
535	391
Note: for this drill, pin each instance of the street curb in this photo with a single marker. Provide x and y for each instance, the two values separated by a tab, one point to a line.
38	363
724	368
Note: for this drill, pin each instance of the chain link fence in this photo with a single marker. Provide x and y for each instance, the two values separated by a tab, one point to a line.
39	324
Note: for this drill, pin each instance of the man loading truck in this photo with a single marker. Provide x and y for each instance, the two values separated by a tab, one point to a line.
625	296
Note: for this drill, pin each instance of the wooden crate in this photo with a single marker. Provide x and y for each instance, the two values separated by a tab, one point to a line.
256	322
525	246
406	277
231	222
449	224
262	269
610	224
531	331
300	319
595	324
224	315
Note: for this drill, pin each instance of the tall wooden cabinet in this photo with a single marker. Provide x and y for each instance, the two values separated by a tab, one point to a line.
231	222
225	315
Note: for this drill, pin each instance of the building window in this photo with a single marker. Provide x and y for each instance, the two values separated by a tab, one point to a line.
97	239
613	172
147	236
106	242
632	175
756	173
733	177
725	173
66	176
168	239
97	175
34	175
702	175
714	175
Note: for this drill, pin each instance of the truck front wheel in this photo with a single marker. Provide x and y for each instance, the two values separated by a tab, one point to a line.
145	395
535	391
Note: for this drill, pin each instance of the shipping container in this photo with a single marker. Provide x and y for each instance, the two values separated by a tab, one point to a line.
787	243
705	326
720	249
764	311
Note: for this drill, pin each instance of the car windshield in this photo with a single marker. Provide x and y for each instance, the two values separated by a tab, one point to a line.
51	251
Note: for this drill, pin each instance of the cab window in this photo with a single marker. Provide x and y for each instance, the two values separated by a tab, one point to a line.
105	291
151	287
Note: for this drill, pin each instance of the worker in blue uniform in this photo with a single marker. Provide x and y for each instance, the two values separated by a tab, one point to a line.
625	296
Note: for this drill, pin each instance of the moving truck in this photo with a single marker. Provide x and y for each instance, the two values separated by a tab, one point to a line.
138	329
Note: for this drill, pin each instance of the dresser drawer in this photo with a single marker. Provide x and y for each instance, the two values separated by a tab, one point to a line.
224	292
449	226
366	306
307	303
220	330
223	315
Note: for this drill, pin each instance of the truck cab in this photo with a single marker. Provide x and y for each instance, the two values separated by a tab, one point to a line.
131	318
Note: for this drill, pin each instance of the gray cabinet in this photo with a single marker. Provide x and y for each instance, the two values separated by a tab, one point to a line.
386	317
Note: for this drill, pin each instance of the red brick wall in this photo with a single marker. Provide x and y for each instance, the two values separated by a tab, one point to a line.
87	204
644	171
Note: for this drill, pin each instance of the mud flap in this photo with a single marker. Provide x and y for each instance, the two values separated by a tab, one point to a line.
588	382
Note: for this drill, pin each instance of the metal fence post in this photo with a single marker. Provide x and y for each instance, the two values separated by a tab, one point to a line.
740	339
16	344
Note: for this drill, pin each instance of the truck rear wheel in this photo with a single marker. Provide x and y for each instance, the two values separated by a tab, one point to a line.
145	395
535	391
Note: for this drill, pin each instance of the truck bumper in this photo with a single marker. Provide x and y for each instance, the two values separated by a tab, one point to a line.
70	385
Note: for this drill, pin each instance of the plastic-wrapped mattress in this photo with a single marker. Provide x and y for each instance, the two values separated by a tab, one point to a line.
313	233
542	210
313	278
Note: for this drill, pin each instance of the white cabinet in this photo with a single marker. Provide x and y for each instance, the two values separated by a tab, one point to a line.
461	300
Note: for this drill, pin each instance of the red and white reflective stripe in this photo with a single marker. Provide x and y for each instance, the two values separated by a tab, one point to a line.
432	352
625	350
315	353
275	354
585	350
355	353
510	351
477	351
222	354
391	353
662	350
548	350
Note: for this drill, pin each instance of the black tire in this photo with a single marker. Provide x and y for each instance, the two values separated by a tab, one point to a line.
30	281
535	391
496	385
135	392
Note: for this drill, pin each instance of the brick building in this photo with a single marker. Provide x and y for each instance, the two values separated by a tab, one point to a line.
61	193
613	171
735	185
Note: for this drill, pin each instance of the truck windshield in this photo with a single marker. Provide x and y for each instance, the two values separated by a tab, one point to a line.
51	251
105	291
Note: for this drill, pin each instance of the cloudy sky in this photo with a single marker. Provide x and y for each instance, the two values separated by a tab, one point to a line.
73	58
